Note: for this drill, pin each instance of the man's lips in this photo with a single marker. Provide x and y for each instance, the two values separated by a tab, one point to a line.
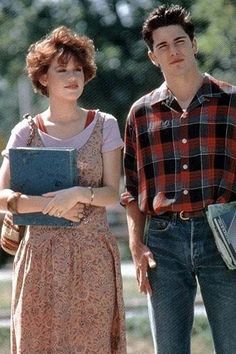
177	61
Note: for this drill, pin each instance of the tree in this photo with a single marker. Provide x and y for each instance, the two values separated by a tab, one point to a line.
115	27
217	39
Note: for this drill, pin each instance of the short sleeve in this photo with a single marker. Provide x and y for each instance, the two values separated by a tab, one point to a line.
18	138
111	134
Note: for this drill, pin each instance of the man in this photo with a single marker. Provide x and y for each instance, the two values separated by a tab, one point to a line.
180	156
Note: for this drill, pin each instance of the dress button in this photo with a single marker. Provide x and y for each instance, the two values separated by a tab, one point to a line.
185	166
184	141
185	192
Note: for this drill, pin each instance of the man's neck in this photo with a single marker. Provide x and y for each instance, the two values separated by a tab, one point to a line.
185	88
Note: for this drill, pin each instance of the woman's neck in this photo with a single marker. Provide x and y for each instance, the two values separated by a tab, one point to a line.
64	112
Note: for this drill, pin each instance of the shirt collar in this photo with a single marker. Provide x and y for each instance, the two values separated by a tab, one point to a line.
210	88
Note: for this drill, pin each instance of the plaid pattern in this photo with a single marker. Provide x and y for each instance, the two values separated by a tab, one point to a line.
177	160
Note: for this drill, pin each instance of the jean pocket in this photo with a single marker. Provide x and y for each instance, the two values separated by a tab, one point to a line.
159	224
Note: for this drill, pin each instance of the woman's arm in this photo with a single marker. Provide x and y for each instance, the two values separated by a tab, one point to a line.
65	199
25	204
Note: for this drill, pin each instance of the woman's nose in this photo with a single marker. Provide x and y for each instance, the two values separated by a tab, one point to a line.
72	75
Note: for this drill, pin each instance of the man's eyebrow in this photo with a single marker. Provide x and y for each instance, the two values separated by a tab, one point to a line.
175	39
180	37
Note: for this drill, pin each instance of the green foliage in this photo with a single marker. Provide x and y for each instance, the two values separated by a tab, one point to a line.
124	71
217	38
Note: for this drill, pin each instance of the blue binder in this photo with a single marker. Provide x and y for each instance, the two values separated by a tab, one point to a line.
38	170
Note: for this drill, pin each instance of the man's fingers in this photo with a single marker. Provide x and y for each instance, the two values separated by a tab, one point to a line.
151	262
145	286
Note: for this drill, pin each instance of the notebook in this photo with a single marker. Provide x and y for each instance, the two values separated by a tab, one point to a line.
38	170
222	220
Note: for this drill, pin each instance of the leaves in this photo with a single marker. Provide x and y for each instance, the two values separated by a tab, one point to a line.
124	71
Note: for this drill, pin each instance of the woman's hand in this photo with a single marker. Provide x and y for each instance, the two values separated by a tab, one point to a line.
75	214
62	201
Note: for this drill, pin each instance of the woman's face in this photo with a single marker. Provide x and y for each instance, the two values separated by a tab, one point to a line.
64	80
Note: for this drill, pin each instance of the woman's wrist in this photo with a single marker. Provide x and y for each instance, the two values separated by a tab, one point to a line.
32	204
86	195
91	190
12	202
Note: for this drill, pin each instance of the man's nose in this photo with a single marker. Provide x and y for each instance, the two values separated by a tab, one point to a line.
173	49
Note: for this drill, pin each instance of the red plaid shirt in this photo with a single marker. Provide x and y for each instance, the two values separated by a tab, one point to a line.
177	160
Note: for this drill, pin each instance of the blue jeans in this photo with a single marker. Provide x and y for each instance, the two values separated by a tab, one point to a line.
185	252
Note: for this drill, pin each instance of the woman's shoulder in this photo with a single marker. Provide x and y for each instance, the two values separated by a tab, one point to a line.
106	117
21	127
111	132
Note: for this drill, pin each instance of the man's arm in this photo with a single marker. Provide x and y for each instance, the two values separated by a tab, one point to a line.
142	256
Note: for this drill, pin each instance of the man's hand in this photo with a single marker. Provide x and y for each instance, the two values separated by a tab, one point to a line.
143	258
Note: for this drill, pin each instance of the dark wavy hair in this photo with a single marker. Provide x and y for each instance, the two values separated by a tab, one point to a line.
165	16
64	43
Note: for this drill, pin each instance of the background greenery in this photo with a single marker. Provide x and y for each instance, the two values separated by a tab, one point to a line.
124	71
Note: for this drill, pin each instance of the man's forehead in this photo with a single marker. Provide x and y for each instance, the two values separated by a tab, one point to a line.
167	32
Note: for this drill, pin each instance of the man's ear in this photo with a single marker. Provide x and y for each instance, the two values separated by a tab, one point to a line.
195	47
153	58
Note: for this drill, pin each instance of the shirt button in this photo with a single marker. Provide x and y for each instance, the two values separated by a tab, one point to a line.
184	141
185	192
185	166
184	114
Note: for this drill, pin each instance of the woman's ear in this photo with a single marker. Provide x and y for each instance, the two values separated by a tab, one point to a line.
43	80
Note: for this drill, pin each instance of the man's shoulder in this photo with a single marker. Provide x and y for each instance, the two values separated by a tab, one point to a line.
222	86
146	101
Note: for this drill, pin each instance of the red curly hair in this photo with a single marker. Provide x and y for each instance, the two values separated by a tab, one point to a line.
64	43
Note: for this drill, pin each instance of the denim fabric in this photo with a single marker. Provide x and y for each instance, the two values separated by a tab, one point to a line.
185	253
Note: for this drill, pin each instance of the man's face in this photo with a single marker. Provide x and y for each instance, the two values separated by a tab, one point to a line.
173	51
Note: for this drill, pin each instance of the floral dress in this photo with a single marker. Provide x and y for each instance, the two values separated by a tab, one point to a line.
67	288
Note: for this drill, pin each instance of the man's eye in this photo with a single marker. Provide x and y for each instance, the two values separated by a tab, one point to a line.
162	46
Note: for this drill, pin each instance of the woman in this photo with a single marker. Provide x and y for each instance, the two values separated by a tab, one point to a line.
67	293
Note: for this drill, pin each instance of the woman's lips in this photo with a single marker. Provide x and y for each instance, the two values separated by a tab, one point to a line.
72	86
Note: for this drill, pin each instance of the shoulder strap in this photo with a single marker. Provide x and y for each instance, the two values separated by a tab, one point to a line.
101	119
90	117
34	137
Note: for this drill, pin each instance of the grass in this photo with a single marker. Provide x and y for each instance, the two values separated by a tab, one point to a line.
5	295
4	341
